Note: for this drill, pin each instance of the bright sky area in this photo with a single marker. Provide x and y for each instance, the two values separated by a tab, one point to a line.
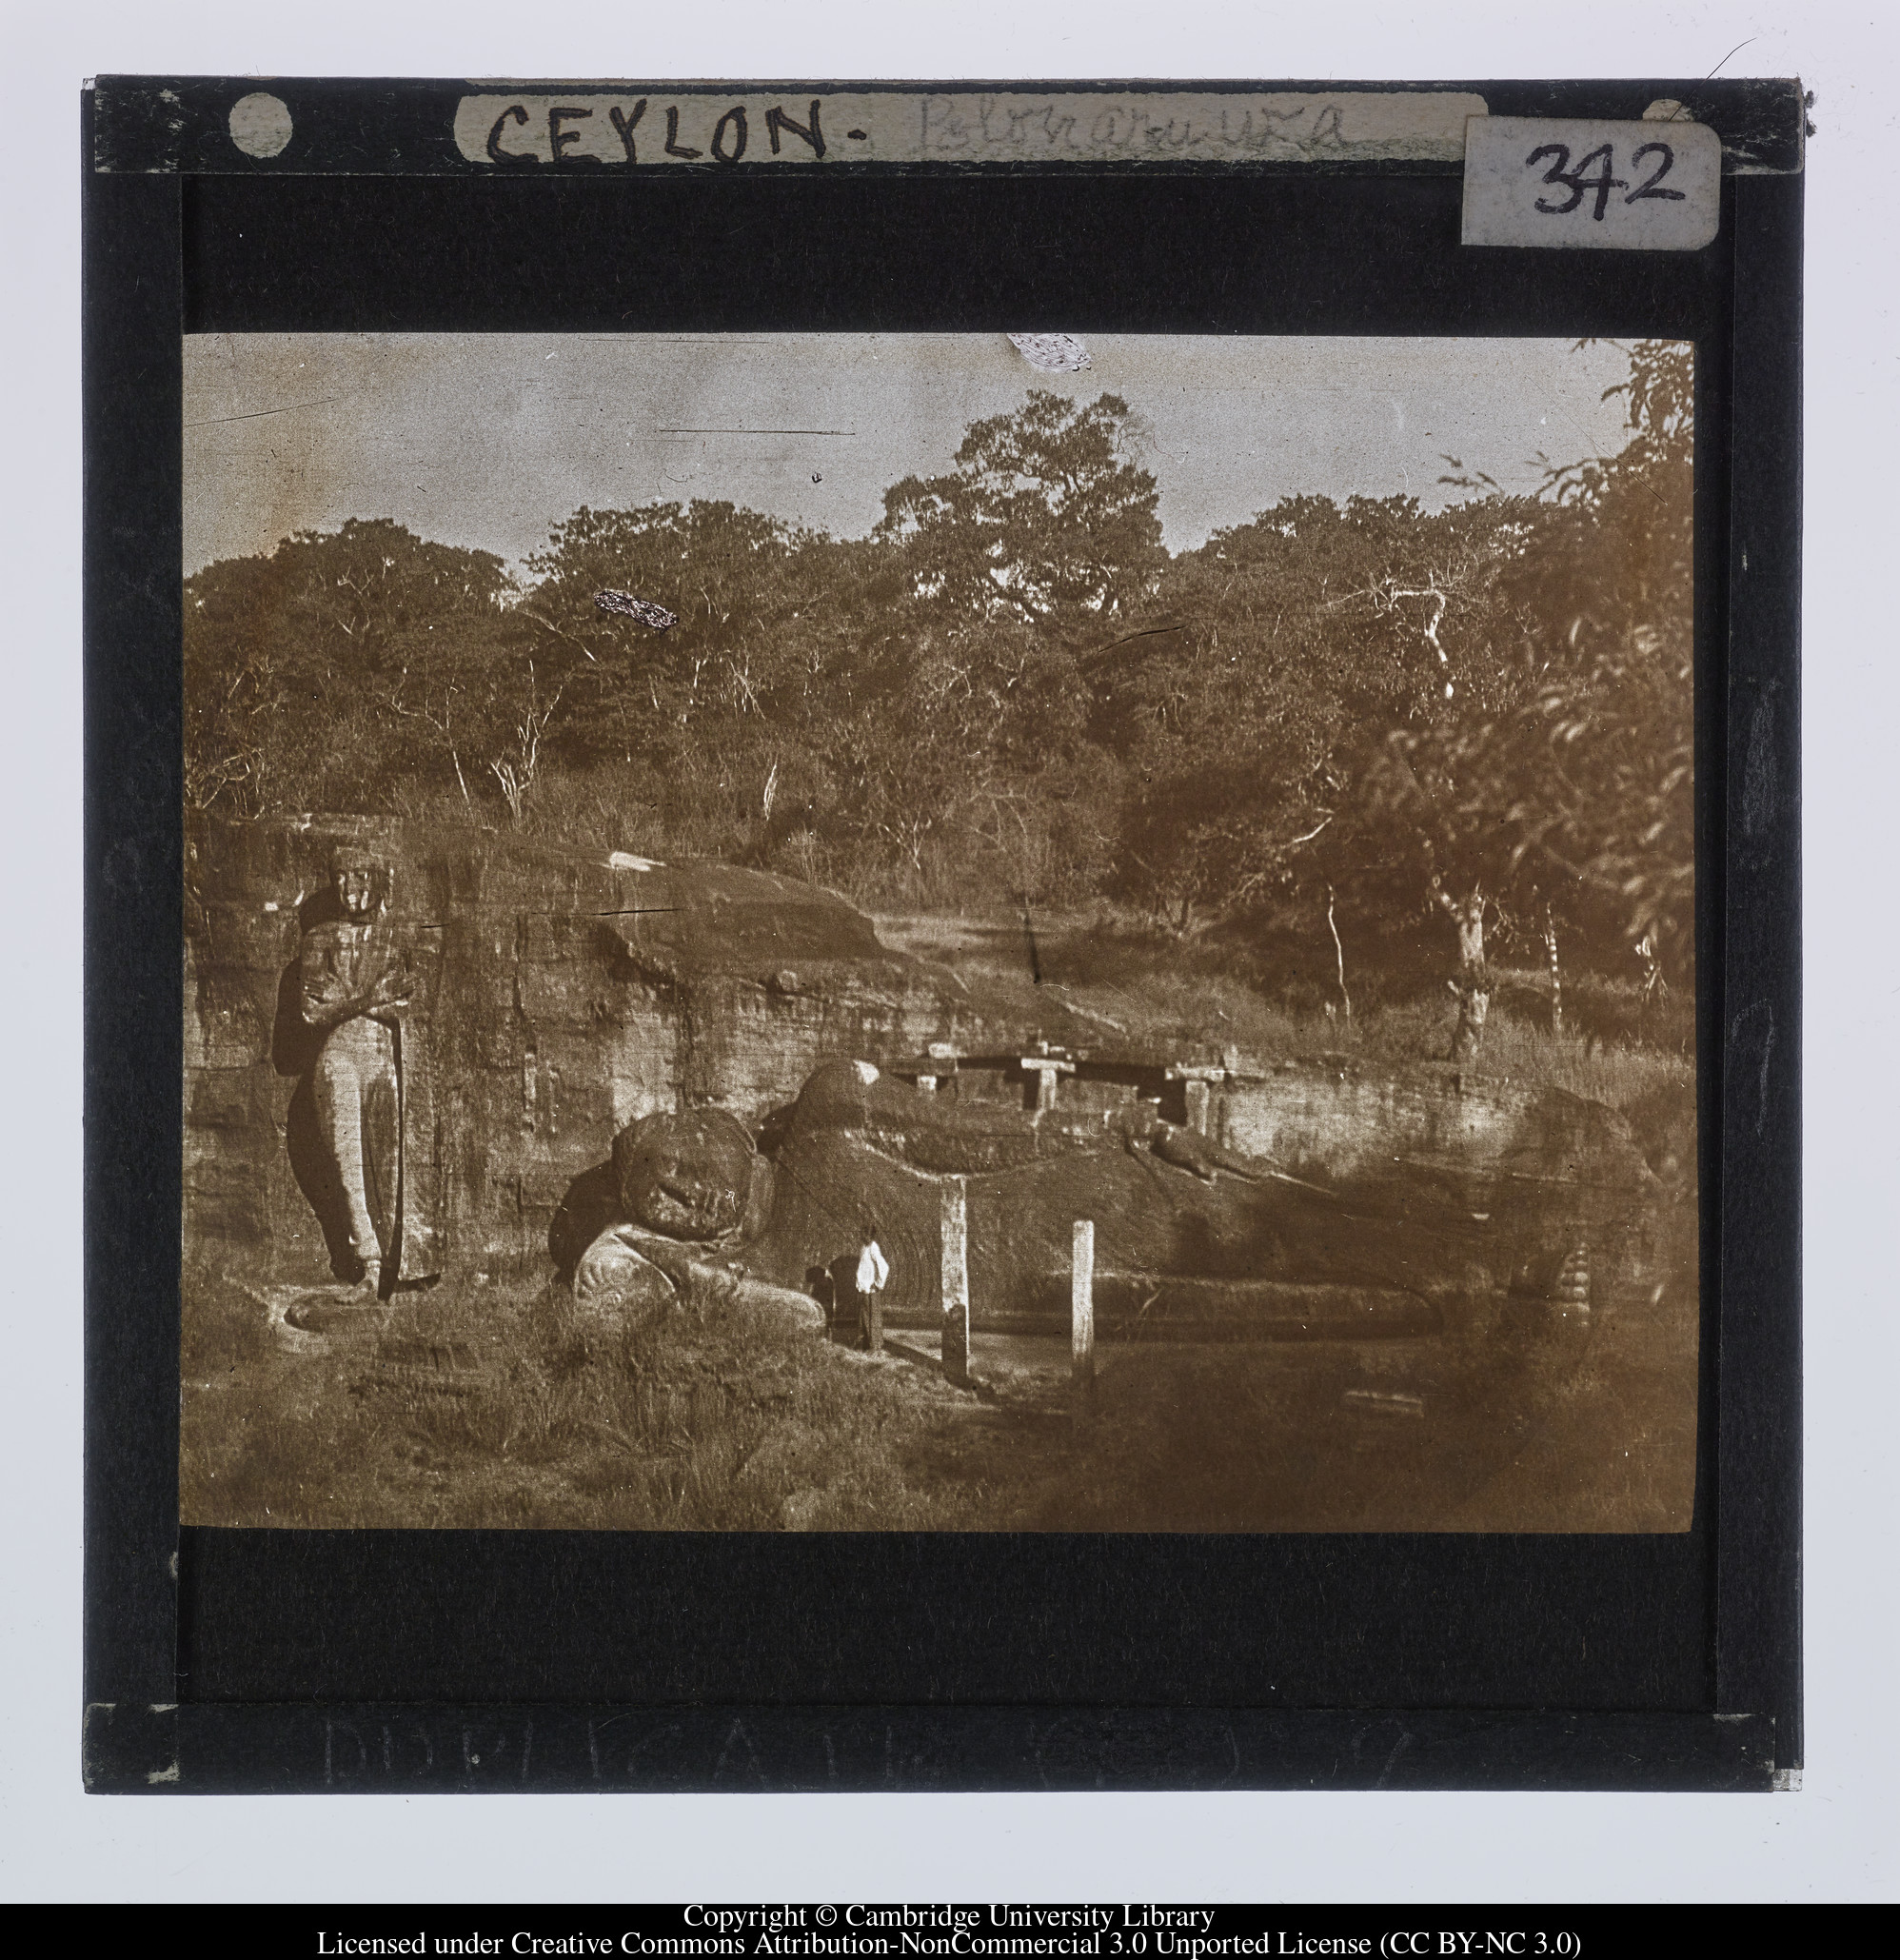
488	439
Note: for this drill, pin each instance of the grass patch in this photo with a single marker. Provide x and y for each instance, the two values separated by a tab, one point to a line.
491	1406
494	1410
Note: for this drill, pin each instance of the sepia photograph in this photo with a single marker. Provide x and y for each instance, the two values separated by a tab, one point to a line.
938	933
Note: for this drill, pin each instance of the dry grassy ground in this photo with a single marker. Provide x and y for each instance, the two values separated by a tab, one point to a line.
484	1408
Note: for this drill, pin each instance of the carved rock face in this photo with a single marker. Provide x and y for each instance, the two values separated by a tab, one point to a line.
689	1177
928	1132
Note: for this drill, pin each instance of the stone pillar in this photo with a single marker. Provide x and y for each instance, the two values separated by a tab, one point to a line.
1197	1103
1082	1324
1046	1069
944	1081
957	1282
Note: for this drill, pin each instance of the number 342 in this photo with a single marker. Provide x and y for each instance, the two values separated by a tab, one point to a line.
1577	181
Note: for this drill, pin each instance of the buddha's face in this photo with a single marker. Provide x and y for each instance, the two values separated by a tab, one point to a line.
687	1175
355	891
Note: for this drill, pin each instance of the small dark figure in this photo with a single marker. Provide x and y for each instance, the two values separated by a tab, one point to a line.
874	1272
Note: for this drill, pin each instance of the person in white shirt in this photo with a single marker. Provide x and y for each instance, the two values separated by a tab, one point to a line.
874	1270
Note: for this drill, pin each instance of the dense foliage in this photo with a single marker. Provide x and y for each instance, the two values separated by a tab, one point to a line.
1010	693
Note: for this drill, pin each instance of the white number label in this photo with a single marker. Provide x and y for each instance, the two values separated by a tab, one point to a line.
1649	187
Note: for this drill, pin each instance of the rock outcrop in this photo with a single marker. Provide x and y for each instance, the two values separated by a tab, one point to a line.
685	1188
1194	1238
699	1070
570	994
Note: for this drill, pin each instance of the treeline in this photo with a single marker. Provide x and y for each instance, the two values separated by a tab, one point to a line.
1011	694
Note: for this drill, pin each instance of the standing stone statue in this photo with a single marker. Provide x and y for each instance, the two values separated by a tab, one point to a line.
369	1081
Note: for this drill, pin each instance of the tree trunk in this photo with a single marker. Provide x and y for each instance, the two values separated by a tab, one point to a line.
1473	985
1556	974
1338	954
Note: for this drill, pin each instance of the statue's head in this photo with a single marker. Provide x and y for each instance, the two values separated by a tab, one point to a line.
688	1175
361	882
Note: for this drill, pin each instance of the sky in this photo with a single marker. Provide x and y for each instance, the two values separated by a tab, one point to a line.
489	439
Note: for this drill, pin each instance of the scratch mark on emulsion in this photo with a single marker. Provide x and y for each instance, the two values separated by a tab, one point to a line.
1758	772
258	414
1746	1016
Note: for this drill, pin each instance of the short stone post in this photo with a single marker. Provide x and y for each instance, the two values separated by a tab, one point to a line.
1082	1324
1048	1070
957	1282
